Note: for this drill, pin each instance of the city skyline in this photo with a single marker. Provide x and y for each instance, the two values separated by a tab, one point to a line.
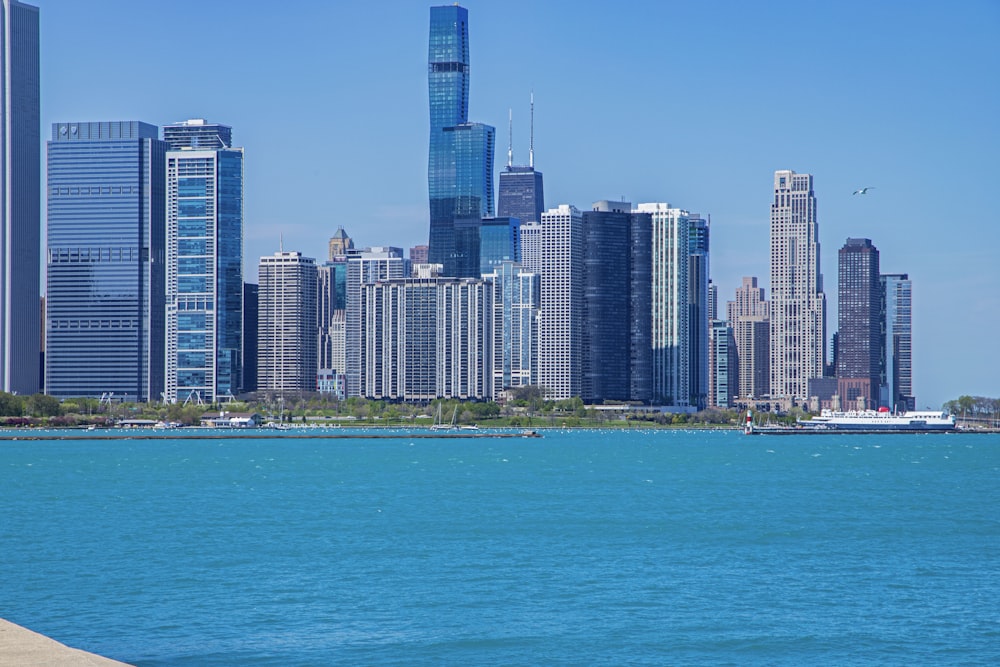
709	137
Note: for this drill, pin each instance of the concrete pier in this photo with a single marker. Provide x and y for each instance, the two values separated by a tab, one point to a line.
24	648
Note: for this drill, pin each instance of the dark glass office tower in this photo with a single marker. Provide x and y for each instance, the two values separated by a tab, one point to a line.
521	195
617	303
460	156
859	323
106	272
20	187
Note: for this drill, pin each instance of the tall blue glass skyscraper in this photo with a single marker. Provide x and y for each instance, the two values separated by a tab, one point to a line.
105	267
20	187
699	318
204	337
499	242
460	158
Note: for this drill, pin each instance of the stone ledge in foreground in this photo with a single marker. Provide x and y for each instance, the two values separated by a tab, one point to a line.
24	648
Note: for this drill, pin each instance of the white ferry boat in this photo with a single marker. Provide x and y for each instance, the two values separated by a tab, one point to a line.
881	420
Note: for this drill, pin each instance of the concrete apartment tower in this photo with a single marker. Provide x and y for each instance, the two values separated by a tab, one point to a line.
286	324
798	305
748	316
20	191
560	330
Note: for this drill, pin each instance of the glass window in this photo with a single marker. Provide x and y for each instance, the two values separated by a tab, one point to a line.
192	284
191	208
189	247
191	187
191	359
191	265
190	378
192	228
190	321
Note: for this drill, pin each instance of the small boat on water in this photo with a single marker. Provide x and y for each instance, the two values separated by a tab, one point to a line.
441	426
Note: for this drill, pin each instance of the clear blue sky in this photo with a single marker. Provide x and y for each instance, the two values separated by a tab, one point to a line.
694	103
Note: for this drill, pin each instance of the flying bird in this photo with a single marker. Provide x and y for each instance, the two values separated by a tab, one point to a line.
862	191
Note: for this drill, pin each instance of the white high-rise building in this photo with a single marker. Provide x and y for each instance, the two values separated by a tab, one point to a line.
531	246
798	305
671	327
426	337
365	267
286	323
20	190
560	327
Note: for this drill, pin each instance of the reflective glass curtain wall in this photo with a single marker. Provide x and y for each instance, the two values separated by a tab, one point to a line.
105	262
460	155
20	187
204	274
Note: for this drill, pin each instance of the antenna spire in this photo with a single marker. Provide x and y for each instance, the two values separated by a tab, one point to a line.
510	138
281	242
531	140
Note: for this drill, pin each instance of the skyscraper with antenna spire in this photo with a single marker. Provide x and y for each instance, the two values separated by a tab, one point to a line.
520	193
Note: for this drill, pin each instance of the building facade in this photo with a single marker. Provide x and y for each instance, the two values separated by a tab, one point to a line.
617	351
859	330
251	293
520	193
204	322
798	304
499	242
20	196
286	330
698	317
516	303
331	306
560	330
748	316
897	343
724	378
671	331
426	337
340	243
364	267
105	277
460	156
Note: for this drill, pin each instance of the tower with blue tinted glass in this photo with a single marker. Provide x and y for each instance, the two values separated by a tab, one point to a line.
105	267
698	317
460	157
204	310
20	188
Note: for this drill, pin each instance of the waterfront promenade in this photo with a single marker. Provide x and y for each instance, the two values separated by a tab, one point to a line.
24	648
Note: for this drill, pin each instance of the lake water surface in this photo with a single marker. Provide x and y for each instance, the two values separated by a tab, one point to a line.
580	548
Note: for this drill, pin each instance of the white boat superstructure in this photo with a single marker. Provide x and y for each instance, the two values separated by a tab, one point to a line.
882	420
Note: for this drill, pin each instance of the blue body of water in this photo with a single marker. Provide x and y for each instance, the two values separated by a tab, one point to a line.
580	548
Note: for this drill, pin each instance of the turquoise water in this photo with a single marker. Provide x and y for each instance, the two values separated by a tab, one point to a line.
580	548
